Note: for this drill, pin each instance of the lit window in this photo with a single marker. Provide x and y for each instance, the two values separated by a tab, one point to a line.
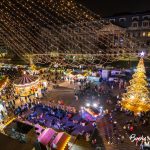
134	24
144	34
148	34
145	23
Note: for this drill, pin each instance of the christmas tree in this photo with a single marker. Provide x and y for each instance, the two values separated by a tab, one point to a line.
137	99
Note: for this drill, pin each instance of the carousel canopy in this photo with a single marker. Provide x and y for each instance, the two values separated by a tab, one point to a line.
25	79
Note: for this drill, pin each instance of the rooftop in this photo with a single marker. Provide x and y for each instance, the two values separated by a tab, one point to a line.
7	143
130	14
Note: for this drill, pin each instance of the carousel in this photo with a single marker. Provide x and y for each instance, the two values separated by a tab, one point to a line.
28	85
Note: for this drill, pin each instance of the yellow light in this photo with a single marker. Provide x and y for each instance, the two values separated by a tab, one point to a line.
132	100
9	121
132	97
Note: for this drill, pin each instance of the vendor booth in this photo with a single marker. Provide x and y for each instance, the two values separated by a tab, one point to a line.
3	111
61	140
28	85
52	139
3	82
77	75
46	136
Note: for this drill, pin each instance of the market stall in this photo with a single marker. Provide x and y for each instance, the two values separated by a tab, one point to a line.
77	75
3	111
53	139
61	141
46	136
3	82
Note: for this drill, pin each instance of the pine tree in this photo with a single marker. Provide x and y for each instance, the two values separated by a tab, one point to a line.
137	99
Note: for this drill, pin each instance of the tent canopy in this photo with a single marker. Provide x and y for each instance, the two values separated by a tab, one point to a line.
25	79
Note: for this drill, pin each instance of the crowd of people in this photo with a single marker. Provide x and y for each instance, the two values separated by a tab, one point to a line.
55	115
138	124
66	118
124	128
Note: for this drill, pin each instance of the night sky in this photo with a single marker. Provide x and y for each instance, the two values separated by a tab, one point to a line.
110	7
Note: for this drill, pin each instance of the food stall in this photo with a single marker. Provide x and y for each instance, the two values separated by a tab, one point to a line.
52	139
3	111
46	136
78	75
61	140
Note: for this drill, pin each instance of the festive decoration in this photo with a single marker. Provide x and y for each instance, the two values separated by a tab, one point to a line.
28	85
3	82
62	27
137	97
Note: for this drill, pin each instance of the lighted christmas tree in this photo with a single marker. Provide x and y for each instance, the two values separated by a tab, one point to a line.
137	98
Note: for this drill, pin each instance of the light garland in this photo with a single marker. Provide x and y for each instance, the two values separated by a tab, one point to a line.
59	37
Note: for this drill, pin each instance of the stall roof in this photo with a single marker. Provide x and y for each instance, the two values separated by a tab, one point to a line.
25	79
46	136
61	140
38	128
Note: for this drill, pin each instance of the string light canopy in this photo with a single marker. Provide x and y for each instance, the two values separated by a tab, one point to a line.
61	31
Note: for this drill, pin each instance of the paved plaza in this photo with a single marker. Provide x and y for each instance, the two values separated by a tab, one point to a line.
65	92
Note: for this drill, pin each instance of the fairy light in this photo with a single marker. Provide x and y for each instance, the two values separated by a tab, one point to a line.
68	14
74	17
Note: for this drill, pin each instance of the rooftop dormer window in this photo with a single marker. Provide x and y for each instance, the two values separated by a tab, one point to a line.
146	17
145	23
122	19
135	24
112	20
135	18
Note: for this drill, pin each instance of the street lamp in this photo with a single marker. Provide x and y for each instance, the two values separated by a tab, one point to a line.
95	105
88	104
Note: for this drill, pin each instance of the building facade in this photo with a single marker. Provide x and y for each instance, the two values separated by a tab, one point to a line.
93	36
137	26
